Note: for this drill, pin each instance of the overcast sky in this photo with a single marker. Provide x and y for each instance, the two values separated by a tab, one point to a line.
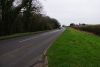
73	11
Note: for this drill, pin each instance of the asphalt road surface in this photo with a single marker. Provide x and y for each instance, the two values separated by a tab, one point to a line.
24	51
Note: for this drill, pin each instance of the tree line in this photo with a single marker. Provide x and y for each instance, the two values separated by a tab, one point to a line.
19	16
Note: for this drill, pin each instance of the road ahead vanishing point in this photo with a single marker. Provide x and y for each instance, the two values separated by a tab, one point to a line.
24	51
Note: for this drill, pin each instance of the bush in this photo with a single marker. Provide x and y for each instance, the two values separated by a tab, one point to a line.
90	28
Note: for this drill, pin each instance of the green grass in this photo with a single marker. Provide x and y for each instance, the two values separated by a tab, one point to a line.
75	49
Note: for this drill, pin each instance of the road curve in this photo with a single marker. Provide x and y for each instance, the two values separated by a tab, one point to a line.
24	51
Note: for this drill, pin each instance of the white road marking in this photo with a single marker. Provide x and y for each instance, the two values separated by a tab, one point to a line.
27	39
37	37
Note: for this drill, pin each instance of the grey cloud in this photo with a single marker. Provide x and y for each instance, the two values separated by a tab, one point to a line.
77	11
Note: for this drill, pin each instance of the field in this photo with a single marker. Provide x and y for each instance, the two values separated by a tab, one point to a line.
90	28
75	49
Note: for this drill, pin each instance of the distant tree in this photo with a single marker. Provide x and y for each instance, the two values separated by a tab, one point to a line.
56	23
72	24
83	24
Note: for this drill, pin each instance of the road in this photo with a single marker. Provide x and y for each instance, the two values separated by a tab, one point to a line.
24	51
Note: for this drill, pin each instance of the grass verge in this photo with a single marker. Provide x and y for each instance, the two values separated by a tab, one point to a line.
19	35
75	49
